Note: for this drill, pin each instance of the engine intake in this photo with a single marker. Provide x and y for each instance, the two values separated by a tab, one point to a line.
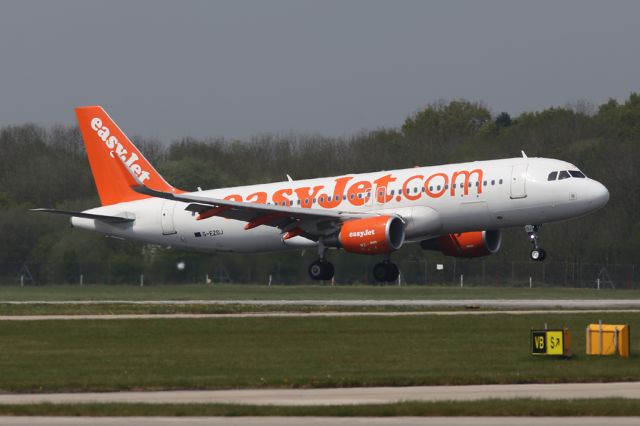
372	235
466	244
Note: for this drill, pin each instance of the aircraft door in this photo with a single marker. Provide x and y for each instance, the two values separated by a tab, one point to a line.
166	219
518	181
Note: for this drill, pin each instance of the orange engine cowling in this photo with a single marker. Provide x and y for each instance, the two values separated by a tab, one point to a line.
372	235
466	244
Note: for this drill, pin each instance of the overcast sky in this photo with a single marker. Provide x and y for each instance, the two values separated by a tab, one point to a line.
239	68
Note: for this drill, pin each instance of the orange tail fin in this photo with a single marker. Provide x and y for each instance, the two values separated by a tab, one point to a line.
104	141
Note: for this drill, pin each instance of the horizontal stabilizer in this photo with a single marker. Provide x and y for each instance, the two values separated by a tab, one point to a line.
102	217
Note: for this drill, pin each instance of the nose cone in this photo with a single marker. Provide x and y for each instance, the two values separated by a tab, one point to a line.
598	195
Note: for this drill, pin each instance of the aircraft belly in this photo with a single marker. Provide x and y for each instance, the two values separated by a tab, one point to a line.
219	234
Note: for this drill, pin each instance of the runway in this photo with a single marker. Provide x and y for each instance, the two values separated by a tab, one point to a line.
71	317
318	421
341	396
423	303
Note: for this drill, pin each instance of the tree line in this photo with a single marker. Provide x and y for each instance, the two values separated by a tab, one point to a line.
48	167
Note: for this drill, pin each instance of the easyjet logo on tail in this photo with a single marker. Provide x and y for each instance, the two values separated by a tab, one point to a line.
115	147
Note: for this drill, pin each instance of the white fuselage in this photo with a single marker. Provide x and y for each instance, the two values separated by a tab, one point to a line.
437	200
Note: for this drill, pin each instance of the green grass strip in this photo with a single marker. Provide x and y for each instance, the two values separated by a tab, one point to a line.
186	308
301	292
490	407
297	352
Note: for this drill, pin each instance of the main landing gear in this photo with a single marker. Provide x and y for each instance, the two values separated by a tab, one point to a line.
321	269
538	254
386	271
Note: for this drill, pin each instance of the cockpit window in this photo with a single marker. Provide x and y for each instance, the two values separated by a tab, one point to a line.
552	176
564	175
576	173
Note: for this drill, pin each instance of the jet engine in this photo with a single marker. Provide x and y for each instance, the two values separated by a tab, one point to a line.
466	244
372	235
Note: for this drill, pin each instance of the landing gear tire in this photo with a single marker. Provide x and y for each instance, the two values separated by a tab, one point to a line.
538	254
386	272
321	270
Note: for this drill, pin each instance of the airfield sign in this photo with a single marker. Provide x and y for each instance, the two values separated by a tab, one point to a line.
551	342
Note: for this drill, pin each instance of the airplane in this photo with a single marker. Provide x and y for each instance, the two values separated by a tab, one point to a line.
457	209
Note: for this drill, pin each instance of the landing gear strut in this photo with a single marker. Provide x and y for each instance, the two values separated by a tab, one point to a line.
538	254
386	271
321	269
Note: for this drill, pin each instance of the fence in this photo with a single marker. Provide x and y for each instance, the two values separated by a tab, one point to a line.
473	272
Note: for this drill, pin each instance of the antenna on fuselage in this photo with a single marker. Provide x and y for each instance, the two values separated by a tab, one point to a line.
523	154
289	178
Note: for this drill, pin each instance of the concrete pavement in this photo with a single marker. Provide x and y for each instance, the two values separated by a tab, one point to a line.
336	396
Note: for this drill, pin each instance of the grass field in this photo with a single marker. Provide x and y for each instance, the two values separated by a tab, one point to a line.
515	407
198	308
317	292
45	356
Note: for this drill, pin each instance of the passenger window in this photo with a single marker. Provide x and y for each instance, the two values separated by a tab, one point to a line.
484	183
577	174
552	176
563	175
500	182
493	182
430	189
438	187
392	191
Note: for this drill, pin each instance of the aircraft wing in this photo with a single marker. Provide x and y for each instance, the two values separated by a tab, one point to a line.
252	213
310	223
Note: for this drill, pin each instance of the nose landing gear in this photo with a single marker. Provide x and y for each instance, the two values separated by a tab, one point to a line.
538	254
